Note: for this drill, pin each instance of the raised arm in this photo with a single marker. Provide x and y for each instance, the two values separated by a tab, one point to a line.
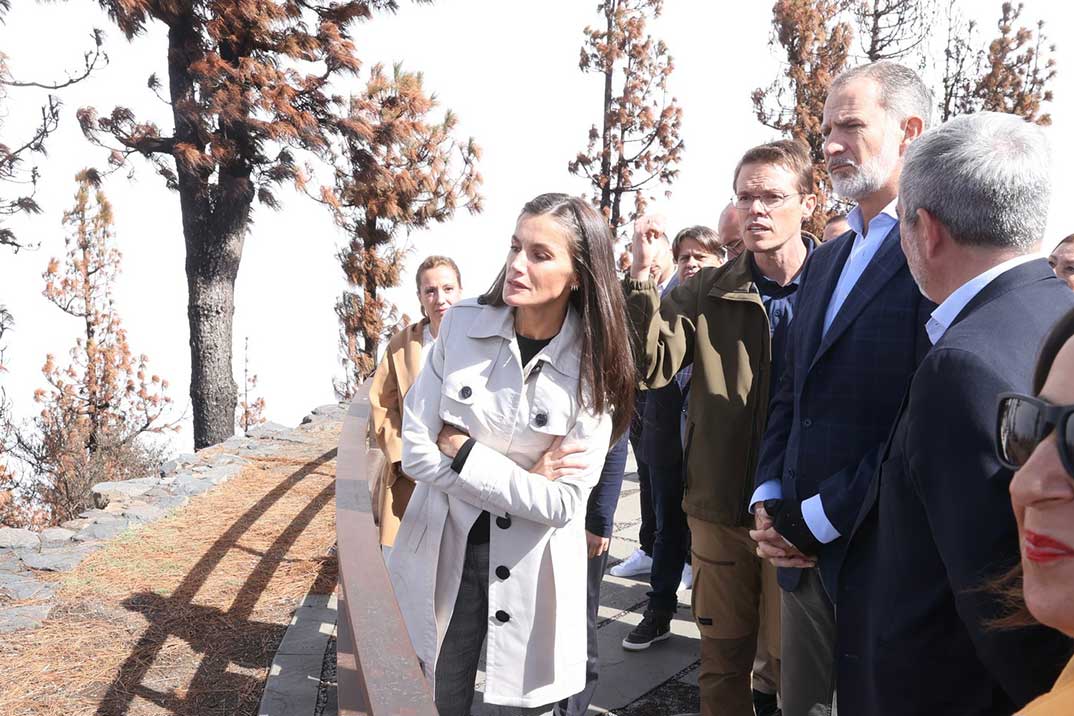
662	329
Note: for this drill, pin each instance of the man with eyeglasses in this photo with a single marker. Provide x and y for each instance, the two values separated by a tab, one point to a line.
730	323
857	337
914	600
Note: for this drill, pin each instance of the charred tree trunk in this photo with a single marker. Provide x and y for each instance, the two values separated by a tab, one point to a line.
214	228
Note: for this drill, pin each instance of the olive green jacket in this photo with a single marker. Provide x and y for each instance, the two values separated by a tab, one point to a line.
717	322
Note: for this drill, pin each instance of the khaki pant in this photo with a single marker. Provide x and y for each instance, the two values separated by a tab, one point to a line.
736	604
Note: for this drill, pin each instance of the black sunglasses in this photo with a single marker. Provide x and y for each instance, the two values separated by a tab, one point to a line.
1022	422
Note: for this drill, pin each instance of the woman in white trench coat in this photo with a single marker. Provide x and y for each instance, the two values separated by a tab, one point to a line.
505	432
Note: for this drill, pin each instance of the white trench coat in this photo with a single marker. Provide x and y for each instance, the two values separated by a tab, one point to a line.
473	379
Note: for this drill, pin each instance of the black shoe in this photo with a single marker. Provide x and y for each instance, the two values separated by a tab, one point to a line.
764	704
655	626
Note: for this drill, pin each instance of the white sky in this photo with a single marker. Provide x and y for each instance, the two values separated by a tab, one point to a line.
510	72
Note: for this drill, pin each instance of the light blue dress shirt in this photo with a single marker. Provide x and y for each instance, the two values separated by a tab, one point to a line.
945	314
866	243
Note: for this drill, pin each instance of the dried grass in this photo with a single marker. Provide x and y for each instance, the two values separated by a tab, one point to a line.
184	615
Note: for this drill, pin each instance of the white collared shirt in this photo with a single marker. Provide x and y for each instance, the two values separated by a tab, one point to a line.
945	314
866	244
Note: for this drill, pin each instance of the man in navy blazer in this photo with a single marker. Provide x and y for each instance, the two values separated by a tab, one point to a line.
857	337
937	526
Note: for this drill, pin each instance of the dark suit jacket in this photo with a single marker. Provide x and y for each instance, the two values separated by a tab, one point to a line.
937	526
840	393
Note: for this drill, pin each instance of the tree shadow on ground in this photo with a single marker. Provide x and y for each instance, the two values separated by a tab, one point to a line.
223	638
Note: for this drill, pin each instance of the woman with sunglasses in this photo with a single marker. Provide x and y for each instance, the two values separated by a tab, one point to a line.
511	419
1035	437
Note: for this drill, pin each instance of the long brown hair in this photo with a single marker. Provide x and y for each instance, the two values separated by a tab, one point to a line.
1009	586
607	371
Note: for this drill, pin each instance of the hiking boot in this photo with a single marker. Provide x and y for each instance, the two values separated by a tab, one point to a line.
637	563
655	626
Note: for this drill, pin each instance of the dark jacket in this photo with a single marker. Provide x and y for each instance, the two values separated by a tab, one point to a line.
839	395
716	322
937	526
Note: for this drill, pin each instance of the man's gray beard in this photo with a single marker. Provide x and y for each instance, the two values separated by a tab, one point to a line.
868	177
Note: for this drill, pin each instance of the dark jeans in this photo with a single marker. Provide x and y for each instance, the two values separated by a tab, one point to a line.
671	548
579	703
647	531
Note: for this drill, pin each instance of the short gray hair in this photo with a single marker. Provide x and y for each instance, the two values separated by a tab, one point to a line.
984	176
902	93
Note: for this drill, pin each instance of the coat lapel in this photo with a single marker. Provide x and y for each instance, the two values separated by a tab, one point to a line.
827	276
887	262
1029	272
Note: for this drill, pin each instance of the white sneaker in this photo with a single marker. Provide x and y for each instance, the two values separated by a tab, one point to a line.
637	563
687	580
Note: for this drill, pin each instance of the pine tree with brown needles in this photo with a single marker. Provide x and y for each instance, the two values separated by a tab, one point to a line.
249	84
1020	67
98	407
637	146
1014	75
401	170
815	43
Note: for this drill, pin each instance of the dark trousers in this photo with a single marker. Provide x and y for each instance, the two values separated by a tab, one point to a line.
671	547
647	531
579	703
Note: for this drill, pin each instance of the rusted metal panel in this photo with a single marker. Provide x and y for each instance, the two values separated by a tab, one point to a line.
378	672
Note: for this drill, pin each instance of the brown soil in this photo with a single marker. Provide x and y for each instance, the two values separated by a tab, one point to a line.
184	615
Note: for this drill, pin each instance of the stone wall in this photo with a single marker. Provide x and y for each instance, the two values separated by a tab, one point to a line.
26	599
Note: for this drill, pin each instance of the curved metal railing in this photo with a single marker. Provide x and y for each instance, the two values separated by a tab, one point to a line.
377	670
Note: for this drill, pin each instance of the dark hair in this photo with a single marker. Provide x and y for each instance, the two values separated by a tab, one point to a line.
608	376
703	235
435	262
790	154
1009	586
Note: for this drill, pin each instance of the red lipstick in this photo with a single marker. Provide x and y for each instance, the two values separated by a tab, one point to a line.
1041	548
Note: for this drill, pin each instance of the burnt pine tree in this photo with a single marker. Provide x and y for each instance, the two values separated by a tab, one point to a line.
962	64
97	406
894	29
815	44
1020	67
18	183
399	169
1013	75
637	145
248	85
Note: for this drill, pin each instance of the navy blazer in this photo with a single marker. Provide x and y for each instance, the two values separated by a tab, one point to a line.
604	498
937	526
840	392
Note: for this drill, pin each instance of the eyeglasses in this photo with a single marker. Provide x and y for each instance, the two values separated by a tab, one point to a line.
744	202
1023	422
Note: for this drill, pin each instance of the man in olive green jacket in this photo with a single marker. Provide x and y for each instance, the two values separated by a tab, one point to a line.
729	323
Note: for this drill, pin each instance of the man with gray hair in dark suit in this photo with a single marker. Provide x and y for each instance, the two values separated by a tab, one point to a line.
915	607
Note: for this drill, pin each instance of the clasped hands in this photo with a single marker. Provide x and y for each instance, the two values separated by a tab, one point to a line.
772	546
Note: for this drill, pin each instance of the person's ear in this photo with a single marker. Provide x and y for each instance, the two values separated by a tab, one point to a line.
934	235
912	128
809	205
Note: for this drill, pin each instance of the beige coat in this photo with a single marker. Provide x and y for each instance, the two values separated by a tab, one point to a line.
474	379
391	381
